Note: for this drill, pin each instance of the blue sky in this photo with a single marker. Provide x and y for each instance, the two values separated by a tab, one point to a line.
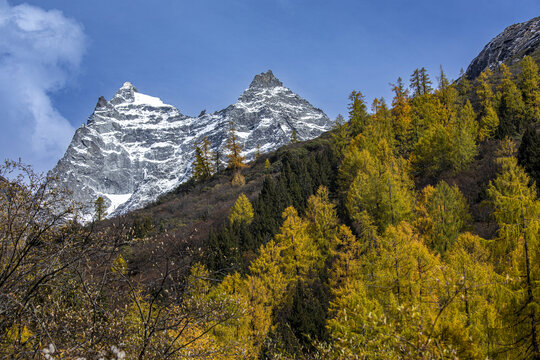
61	55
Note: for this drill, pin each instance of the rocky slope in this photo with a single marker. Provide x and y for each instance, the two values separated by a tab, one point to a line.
135	148
510	46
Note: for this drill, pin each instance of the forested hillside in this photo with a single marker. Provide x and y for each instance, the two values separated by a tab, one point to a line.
409	231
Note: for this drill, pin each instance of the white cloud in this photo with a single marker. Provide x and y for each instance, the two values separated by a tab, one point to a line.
39	51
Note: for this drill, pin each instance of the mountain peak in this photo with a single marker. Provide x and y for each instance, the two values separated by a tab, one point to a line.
510	46
135	148
128	86
265	80
125	93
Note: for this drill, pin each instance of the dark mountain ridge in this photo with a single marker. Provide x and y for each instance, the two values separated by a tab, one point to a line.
510	46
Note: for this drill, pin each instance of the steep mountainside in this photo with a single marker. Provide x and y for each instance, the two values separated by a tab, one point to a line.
135	148
510	46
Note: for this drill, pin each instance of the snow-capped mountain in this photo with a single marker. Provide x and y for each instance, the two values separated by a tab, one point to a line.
135	148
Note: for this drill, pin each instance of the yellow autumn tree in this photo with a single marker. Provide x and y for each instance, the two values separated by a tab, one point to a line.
298	250
322	221
242	211
489	121
517	253
382	187
473	315
529	83
401	113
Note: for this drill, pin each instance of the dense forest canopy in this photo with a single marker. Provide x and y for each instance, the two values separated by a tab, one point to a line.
410	231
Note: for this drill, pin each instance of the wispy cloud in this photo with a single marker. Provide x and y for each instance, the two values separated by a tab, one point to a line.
39	51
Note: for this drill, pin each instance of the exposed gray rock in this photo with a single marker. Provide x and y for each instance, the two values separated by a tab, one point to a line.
135	148
510	46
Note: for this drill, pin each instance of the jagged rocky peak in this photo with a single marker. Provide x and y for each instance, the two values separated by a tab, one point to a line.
510	46
129	95
125	94
102	102
136	148
265	80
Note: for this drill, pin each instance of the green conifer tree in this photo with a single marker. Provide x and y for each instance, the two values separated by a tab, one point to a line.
472	315
463	134
529	83
235	158
509	105
464	85
517	211
401	113
529	153
358	116
420	82
294	137
203	167
446	215
489	121
382	187
99	209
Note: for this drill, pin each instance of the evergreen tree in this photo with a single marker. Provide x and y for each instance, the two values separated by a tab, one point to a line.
306	315
425	111
447	131
464	85
425	82
323	222
99	209
529	153
217	160
356	324
203	168
517	211
488	119
448	97
258	152
382	123
401	112
340	135
390	312
358	116
346	264
415	83
433	151
382	187
511	193
509	104
234	148
463	134
442	213
420	82
473	313
294	137
529	83
443	79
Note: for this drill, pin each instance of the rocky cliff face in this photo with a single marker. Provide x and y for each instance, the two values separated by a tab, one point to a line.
135	148
510	46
